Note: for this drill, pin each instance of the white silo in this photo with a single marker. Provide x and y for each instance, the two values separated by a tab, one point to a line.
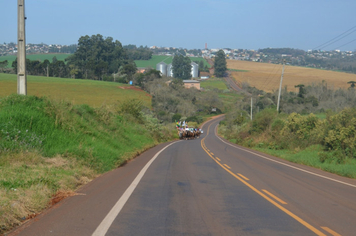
195	70
170	70
162	67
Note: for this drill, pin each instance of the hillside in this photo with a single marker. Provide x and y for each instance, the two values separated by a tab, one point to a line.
53	143
266	76
90	92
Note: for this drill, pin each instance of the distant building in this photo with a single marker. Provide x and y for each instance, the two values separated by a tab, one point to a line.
191	84
204	75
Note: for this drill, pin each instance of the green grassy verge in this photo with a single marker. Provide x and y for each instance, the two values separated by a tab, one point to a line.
92	92
326	142
49	148
311	157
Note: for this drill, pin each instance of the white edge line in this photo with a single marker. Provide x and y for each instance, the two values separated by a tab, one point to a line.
312	173
114	212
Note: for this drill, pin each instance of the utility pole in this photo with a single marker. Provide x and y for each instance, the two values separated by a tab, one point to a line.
280	87
21	49
251	107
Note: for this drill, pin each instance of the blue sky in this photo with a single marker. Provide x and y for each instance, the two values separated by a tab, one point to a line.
245	24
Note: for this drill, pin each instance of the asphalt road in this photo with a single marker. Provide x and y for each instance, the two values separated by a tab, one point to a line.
205	186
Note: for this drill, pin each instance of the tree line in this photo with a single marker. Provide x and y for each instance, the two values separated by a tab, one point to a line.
96	58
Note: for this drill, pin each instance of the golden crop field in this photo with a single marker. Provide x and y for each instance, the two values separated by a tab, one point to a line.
266	76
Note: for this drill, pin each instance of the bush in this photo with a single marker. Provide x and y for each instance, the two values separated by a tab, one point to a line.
132	107
176	117
263	121
340	132
197	119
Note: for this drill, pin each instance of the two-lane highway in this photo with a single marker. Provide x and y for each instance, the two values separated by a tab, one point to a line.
205	186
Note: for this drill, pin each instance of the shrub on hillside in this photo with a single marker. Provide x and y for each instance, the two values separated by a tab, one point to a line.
263	121
340	132
301	130
132	108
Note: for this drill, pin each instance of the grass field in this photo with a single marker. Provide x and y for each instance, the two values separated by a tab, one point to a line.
32	57
214	83
90	92
167	59
228	98
267	76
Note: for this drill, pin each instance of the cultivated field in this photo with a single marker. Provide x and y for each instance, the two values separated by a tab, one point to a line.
41	57
90	92
267	76
213	83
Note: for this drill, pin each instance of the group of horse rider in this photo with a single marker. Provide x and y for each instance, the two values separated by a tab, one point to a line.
185	132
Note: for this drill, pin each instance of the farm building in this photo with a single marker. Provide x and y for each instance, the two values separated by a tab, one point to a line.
191	84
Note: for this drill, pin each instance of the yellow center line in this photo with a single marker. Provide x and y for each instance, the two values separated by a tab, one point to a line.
217	158
242	176
330	231
275	197
310	227
227	166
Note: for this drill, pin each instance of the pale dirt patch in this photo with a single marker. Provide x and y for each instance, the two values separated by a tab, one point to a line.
56	162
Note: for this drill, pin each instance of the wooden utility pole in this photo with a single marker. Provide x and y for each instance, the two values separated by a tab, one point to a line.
21	49
280	87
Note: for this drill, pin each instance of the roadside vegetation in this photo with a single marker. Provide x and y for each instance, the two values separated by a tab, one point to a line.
326	140
50	148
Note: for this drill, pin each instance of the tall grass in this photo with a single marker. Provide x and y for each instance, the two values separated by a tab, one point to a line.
49	147
326	143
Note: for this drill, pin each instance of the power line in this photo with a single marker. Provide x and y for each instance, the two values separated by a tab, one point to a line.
336	39
268	79
345	44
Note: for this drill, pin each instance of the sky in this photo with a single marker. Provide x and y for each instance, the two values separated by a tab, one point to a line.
237	24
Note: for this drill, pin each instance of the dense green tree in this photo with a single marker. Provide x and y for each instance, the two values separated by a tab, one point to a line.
138	53
301	90
181	67
141	79
128	70
14	65
220	64
97	56
352	84
3	65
